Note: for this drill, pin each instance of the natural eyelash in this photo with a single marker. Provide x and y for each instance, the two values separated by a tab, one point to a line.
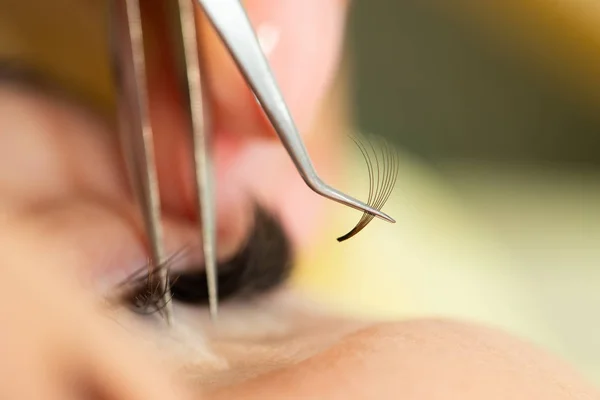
382	179
149	297
145	295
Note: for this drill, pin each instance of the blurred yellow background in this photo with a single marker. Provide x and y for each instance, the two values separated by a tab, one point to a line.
494	107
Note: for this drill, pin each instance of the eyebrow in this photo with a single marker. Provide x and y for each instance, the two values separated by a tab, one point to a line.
20	75
263	264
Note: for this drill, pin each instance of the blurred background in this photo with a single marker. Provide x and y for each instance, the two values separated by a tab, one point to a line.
494	107
499	101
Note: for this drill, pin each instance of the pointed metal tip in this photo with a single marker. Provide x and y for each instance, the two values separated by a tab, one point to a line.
373	211
213	296
211	271
167	315
383	216
331	193
214	311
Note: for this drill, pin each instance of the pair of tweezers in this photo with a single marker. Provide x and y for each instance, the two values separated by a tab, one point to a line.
230	21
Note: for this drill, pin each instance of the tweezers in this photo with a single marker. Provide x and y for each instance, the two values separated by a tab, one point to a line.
230	21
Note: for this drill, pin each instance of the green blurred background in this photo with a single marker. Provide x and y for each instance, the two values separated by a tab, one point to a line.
440	89
516	142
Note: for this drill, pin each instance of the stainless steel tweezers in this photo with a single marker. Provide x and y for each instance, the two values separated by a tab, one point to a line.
230	21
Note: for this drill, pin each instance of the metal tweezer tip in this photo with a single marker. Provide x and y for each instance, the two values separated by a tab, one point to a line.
231	22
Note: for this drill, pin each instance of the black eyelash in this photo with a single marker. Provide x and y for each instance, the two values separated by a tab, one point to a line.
261	265
143	293
382	179
149	296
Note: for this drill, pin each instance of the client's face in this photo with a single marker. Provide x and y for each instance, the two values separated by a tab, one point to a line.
61	176
61	172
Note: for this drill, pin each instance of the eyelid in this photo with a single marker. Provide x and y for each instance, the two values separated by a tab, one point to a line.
145	296
262	264
181	243
106	242
99	229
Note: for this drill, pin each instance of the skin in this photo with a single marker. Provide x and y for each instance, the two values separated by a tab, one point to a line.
68	230
304	62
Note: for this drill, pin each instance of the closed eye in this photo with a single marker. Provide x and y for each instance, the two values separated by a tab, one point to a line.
96	219
262	264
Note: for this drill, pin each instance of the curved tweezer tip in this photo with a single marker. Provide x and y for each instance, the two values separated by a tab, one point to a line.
334	194
387	217
229	19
